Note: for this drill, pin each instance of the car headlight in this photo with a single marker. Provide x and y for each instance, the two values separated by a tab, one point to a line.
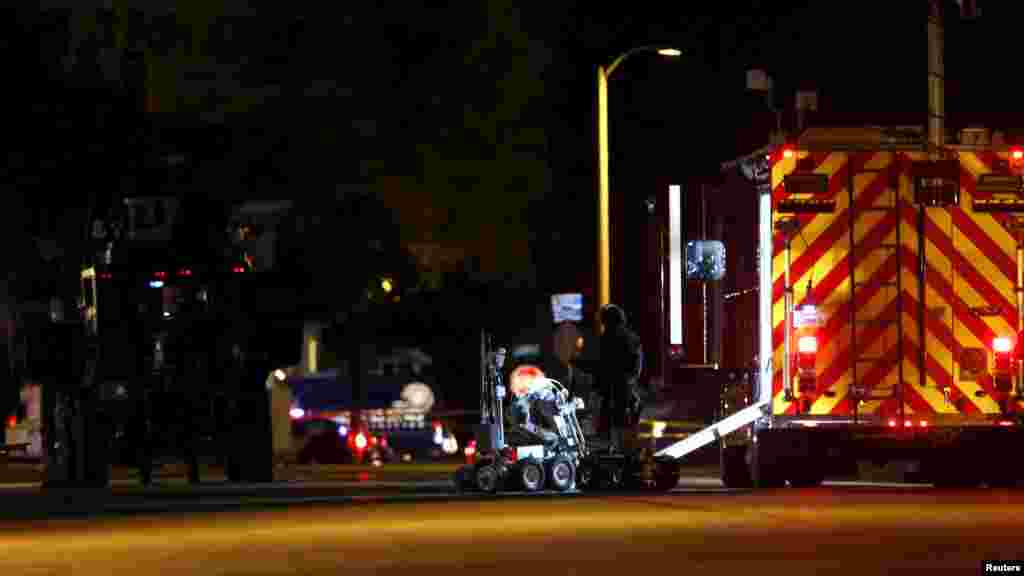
579	403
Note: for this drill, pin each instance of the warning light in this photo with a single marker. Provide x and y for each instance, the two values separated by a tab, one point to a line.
296	413
1017	154
788	153
908	423
807	345
892	423
924	423
360	441
1002	345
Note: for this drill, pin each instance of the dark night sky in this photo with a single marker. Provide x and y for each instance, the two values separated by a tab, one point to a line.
481	117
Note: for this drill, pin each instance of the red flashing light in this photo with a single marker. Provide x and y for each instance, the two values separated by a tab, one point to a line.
1006	423
788	153
908	424
807	345
892	423
1002	345
1017	154
360	442
12	421
470	450
923	423
509	453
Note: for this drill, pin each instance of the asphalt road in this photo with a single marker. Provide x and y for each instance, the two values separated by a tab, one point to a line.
834	530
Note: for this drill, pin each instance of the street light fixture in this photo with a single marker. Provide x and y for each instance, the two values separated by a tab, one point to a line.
603	216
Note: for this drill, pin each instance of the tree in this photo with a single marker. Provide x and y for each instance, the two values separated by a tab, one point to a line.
344	245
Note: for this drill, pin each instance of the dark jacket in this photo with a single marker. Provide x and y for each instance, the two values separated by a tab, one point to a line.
614	372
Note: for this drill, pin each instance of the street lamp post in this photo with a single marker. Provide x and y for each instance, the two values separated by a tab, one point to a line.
603	208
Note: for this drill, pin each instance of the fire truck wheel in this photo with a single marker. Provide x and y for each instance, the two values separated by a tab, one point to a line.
943	475
807	475
734	470
531	475
488	478
764	471
666	477
561	474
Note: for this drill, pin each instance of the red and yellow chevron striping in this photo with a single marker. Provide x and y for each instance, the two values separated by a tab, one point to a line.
860	265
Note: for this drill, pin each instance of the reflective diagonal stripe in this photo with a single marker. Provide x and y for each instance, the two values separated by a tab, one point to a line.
969	267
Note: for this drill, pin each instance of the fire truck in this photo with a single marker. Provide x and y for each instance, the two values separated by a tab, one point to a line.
884	320
889	309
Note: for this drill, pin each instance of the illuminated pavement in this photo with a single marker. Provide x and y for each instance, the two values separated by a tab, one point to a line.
829	530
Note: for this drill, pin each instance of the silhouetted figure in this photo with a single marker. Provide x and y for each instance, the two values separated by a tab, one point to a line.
616	373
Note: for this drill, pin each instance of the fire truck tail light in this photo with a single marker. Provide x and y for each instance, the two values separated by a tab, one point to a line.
1002	345
807	345
908	424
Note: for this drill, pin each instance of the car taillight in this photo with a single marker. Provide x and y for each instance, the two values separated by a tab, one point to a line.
12	421
509	454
